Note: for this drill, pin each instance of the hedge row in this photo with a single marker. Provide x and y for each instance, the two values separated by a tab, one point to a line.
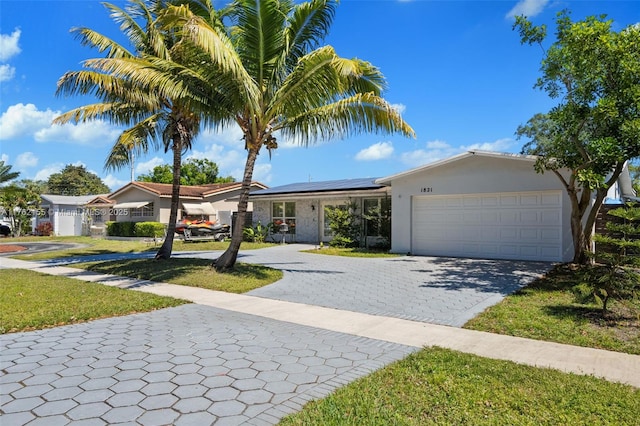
135	229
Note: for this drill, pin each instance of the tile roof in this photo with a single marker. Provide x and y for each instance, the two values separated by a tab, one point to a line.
324	186
195	191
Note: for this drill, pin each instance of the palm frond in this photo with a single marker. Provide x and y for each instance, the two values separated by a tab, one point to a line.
308	26
116	113
89	37
360	113
220	51
136	140
259	37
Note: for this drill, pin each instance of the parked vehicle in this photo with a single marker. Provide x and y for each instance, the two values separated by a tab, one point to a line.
203	229
5	229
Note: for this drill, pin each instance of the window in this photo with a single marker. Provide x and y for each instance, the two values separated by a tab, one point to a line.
377	216
284	212
144	211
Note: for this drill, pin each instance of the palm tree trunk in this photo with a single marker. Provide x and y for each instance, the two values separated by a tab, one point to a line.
167	246
227	260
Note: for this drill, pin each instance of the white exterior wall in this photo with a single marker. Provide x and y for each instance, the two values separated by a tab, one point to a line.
472	175
67	219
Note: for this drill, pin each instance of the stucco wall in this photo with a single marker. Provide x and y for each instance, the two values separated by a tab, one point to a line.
67	219
472	175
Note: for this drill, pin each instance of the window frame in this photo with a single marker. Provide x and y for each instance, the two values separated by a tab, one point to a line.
278	219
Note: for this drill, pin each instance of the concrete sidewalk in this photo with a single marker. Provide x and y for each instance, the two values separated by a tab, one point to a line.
613	366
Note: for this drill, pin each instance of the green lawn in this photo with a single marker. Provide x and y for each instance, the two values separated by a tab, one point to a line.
547	310
30	300
443	387
190	272
350	252
95	246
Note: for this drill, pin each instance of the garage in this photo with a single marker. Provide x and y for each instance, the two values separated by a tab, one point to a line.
513	225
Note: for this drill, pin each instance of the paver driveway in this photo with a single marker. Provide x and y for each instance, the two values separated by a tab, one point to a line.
436	290
201	365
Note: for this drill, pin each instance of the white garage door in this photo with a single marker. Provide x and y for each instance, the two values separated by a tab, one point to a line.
523	226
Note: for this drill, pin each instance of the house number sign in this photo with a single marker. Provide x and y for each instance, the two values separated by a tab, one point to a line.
426	189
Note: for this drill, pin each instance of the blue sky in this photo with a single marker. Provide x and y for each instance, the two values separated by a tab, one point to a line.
455	68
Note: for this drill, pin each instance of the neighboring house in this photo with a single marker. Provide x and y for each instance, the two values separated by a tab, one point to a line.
484	205
67	214
146	201
301	206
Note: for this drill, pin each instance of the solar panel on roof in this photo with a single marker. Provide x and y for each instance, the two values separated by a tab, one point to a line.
324	186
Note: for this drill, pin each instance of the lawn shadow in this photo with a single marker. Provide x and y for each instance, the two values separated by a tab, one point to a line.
593	314
488	276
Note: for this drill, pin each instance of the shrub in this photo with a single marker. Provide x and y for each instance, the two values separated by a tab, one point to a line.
44	229
258	233
121	229
344	224
614	274
149	229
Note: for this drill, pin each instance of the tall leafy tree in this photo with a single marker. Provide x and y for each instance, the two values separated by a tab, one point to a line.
194	171
76	180
277	80
594	73
19	204
162	173
137	90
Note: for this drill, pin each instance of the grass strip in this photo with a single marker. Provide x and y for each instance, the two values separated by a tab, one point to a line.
190	272
30	300
440	386
97	246
547	310
350	252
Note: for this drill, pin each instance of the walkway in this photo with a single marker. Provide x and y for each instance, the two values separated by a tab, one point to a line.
238	359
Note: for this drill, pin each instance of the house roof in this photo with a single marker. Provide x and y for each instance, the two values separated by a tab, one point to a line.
163	190
324	186
72	200
101	200
477	153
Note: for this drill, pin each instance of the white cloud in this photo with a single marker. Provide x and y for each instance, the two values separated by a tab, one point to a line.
9	45
147	166
47	171
230	136
377	151
4	158
27	120
499	145
261	173
399	107
113	182
26	159
94	132
528	8
24	119
230	161
437	150
6	72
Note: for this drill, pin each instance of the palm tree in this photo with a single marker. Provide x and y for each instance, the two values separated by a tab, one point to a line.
138	91
278	81
6	174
